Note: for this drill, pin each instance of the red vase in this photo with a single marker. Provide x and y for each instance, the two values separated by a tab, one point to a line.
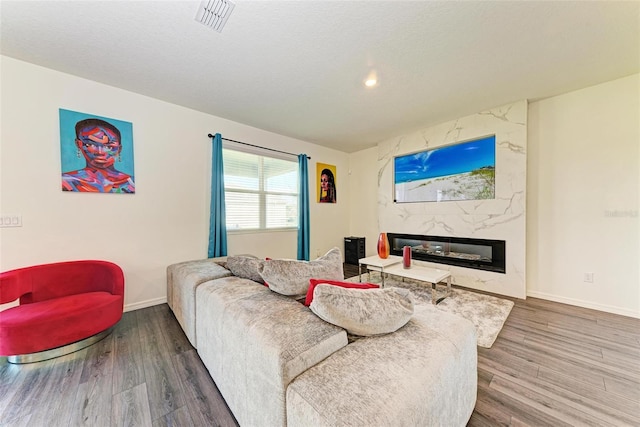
383	246
406	256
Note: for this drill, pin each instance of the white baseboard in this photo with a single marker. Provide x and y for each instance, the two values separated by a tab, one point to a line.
585	304
145	304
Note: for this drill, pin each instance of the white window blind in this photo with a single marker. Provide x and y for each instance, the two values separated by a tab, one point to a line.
261	192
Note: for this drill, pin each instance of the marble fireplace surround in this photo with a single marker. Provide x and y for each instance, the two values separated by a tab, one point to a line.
502	218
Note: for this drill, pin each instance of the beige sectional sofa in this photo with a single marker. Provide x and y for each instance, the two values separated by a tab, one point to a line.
278	364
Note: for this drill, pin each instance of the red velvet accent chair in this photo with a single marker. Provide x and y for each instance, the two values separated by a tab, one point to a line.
60	304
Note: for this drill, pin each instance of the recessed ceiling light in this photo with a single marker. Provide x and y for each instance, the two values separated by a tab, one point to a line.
371	80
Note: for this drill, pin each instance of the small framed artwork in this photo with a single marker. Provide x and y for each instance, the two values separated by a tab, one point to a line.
326	179
96	154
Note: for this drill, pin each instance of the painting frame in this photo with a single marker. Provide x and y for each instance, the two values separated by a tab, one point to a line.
96	153
464	170
326	179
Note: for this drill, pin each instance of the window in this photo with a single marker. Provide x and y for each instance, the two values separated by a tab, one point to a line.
261	193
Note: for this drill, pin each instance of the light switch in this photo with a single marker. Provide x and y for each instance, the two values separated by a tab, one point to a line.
11	221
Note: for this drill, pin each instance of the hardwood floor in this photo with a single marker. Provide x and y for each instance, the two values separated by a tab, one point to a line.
143	374
559	365
552	365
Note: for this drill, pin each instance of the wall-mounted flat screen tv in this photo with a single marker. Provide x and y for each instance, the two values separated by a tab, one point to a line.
462	171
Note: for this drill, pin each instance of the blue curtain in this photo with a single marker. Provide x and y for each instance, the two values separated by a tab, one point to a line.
303	208
217	215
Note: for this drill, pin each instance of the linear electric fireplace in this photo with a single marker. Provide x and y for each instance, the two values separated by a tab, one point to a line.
481	254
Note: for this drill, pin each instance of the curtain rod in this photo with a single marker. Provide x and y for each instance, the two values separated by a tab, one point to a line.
257	146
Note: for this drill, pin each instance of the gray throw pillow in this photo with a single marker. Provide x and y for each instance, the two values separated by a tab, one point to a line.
245	266
363	312
291	277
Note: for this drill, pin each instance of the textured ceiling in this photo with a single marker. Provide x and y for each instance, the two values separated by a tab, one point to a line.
296	67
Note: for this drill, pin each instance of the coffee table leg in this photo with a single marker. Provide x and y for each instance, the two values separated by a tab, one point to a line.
434	299
359	272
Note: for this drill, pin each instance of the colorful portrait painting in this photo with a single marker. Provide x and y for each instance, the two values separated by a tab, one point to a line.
96	154
326	179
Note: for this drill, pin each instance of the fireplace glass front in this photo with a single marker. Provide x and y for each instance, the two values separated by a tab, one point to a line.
481	254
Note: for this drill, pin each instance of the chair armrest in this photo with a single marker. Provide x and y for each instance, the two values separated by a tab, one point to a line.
13	285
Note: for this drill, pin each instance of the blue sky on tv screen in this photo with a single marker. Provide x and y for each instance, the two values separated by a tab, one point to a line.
450	160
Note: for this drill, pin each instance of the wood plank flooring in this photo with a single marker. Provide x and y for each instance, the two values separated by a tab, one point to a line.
552	365
145	373
555	364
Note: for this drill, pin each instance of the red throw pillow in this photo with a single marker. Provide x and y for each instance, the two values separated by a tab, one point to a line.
267	259
315	282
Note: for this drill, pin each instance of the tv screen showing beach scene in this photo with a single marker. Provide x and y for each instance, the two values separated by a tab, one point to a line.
463	171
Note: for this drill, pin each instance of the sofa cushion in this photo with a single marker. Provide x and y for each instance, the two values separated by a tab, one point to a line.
291	277
425	374
315	282
254	342
363	312
182	280
245	266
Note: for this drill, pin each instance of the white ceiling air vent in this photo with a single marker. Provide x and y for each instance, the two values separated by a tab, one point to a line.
214	13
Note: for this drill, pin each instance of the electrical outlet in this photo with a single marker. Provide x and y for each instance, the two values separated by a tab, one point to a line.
588	277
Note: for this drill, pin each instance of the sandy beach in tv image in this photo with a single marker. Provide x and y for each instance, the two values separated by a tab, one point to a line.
464	171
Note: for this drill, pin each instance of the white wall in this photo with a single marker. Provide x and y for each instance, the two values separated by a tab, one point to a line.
584	186
166	221
364	197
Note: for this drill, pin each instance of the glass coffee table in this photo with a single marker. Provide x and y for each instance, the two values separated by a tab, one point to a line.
376	263
434	276
393	266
